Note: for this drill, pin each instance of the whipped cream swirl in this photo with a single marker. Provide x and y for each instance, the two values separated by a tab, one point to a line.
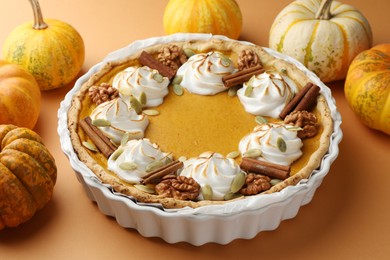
269	138
122	118
202	73
268	94
140	153
134	80
212	169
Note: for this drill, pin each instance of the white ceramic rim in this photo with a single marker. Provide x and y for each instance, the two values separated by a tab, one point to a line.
287	201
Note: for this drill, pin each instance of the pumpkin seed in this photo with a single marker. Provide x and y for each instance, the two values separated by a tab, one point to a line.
248	91
144	188
283	70
231	196
207	192
178	89
142	98
100	122
182	158
117	153
252	153
188	52
233	155
151	112
128	166
136	105
282	146
273	182
177	79
225	61
233	91
125	138
158	77
294	128
261	120
238	182
90	146
154	165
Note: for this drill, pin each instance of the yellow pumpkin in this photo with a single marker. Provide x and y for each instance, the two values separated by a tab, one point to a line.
367	87
52	50
323	35
203	16
20	96
27	175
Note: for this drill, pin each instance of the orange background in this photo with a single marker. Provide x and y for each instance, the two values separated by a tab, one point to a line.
348	217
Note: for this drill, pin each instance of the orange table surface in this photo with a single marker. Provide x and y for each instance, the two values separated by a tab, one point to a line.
348	217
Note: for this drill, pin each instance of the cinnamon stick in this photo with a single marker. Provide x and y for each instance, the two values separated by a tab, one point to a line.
101	141
162	171
242	76
147	59
303	100
266	168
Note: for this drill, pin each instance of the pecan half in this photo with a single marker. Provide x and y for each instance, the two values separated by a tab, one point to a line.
102	93
248	59
255	183
172	56
178	187
305	120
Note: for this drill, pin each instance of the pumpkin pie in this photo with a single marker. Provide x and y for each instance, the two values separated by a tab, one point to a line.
195	123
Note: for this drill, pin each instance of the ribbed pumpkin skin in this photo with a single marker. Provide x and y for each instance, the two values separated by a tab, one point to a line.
203	16
28	174
367	87
53	55
20	96
326	47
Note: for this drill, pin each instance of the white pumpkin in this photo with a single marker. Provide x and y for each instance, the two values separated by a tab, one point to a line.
323	35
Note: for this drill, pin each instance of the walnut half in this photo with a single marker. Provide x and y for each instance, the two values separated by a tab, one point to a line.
178	187
255	183
248	59
305	120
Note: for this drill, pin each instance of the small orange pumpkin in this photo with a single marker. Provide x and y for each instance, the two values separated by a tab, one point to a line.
205	16
367	87
27	175
20	96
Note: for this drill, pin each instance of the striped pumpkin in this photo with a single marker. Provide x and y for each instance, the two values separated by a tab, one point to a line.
52	50
323	35
203	16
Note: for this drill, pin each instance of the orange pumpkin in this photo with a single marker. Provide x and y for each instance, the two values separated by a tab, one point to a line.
367	87
205	16
27	175
20	96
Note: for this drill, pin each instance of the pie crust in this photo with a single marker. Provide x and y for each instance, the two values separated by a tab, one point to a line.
81	106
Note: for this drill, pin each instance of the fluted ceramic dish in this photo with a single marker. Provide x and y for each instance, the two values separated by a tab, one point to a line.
216	223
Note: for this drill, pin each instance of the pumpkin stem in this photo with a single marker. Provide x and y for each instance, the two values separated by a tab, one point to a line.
324	11
39	23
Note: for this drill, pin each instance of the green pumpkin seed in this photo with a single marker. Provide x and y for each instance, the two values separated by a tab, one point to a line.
231	196
178	90
151	112
90	146
238	182
158	77
273	182
233	155
128	166
144	188
153	166
261	120
117	153
252	153
188	52
101	122
177	79
207	192
143	98
136	105
282	146
125	138
225	61
233	91
294	128
248	91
